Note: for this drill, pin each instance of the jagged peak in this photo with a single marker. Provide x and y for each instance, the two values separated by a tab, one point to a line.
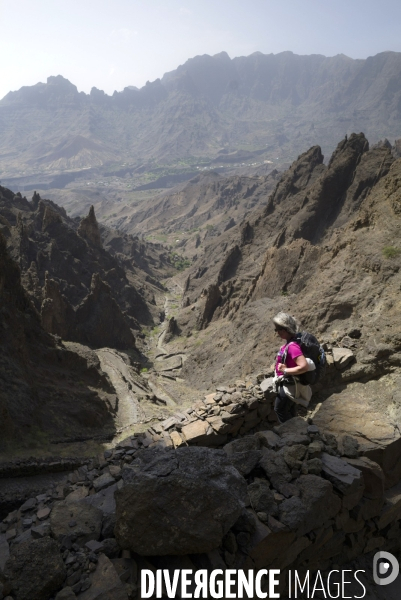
89	228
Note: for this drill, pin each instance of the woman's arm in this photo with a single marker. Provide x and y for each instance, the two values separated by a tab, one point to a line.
302	366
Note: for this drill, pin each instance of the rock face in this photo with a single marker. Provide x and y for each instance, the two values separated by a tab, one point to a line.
327	228
33	363
89	229
183	502
99	320
85	292
361	412
35	569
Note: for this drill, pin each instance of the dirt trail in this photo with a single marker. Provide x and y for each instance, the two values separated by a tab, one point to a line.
127	408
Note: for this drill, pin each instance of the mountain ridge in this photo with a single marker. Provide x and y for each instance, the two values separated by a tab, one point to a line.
278	103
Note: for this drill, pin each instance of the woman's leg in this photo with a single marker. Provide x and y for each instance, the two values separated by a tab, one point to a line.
284	408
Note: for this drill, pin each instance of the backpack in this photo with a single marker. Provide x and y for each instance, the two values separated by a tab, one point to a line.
311	349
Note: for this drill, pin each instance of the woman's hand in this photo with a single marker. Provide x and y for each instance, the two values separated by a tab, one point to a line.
302	366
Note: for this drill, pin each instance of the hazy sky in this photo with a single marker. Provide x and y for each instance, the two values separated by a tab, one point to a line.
111	44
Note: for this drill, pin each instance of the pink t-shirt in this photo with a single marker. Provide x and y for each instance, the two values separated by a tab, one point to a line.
294	350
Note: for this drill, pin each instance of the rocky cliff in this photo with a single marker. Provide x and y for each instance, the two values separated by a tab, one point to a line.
48	391
326	247
86	290
68	288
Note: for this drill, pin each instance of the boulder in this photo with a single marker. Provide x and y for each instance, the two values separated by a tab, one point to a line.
219	426
293	431
262	497
316	504
103	481
244	453
372	475
361	412
105	583
345	478
178	440
245	462
274	465
194	432
245	444
246	522
314	466
182	502
268	438
168	364
342	358
35	570
104	501
348	446
266	547
294	455
80	520
297	425
74	496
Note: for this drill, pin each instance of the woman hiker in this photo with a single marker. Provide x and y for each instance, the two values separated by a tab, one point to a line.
290	362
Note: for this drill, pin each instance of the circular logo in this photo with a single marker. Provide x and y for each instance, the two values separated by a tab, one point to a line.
385	568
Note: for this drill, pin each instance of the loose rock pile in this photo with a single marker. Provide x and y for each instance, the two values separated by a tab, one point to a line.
222	415
287	496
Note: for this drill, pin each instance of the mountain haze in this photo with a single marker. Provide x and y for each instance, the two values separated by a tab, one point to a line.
208	108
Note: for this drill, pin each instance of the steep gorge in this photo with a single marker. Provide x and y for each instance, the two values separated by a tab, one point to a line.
324	245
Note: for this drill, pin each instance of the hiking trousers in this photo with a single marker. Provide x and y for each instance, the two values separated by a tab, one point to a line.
284	407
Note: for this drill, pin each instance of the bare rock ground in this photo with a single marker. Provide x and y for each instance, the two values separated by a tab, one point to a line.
126	408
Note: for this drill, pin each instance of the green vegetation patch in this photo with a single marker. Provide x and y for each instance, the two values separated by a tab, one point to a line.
179	262
391	251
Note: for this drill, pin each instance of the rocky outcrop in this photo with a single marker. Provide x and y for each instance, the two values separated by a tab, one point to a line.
58	257
181	492
171	331
35	569
44	386
57	314
99	320
298	504
209	301
325	248
89	229
362	414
